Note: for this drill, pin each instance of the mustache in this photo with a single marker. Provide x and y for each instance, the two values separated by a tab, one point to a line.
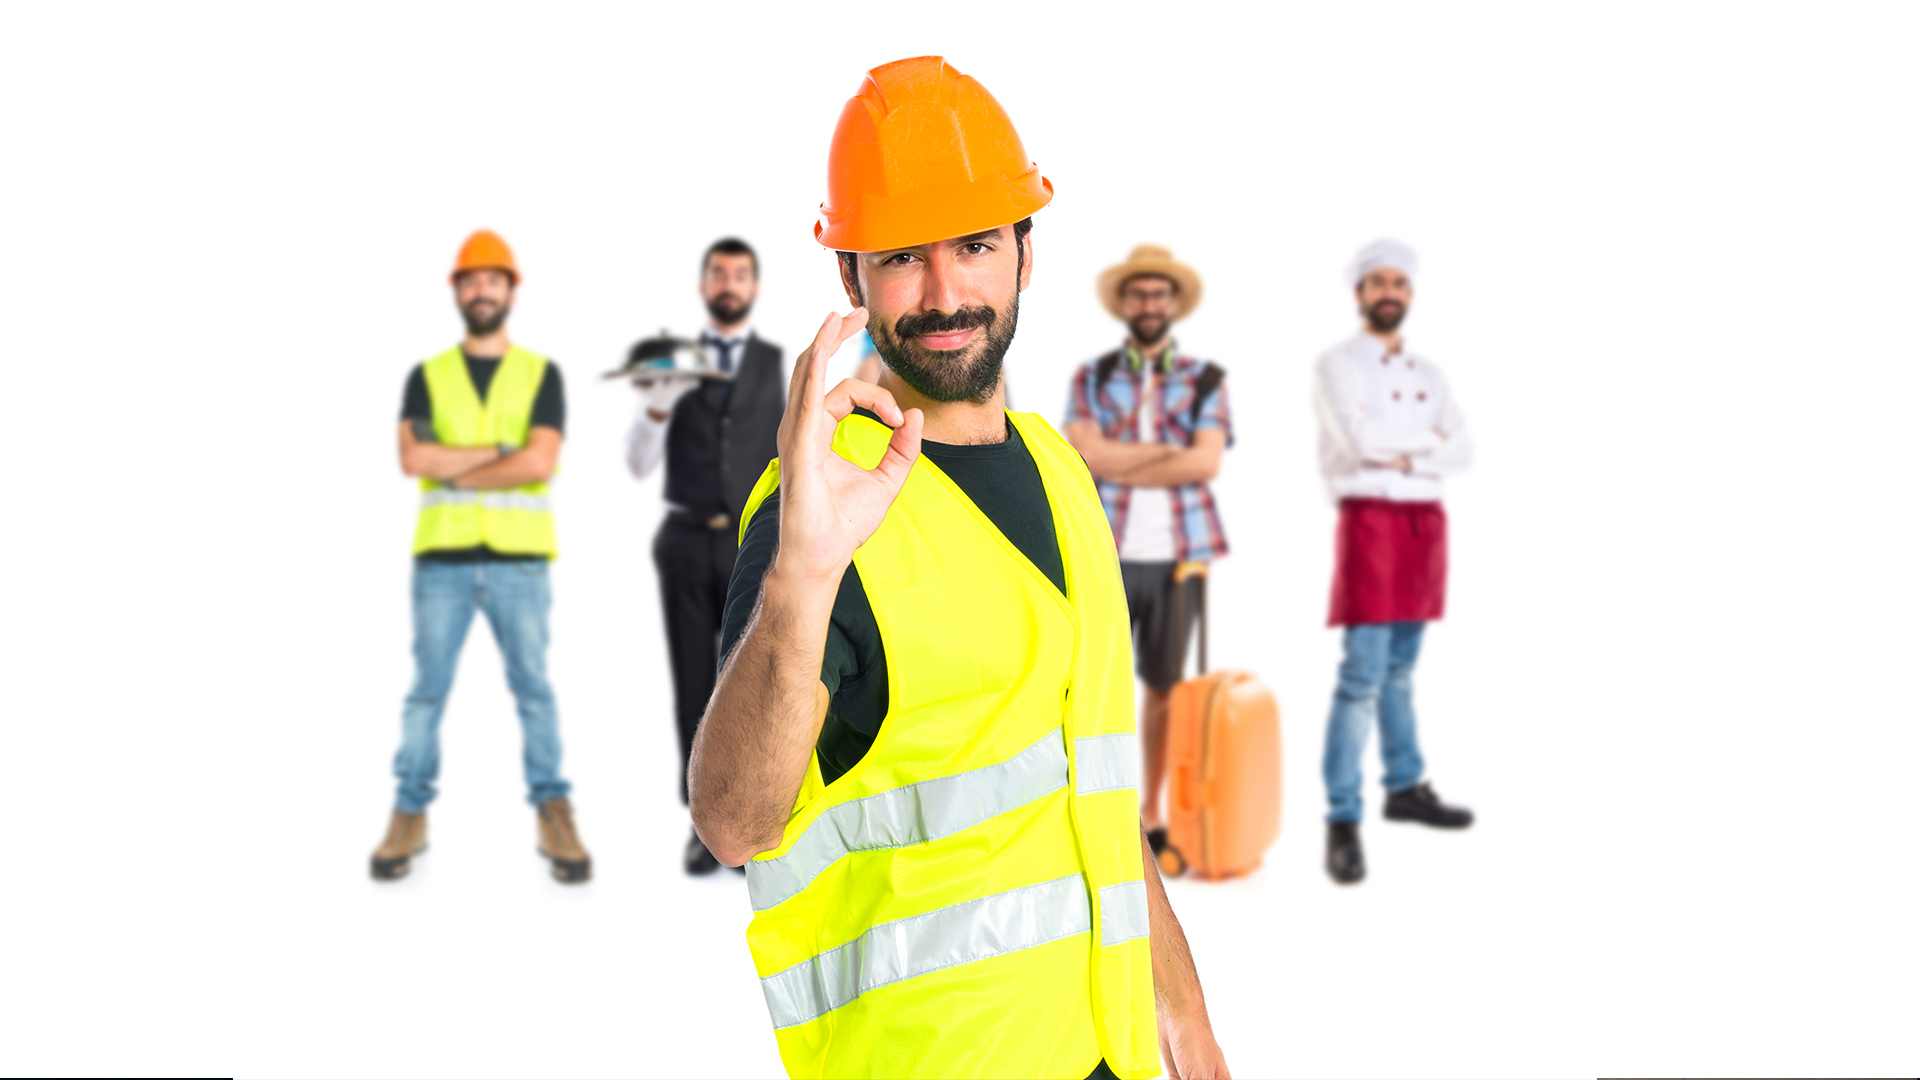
932	322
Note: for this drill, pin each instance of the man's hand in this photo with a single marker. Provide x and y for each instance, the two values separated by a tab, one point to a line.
667	391
829	505
1403	463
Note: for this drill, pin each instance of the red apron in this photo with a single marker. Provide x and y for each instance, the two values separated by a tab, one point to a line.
1390	562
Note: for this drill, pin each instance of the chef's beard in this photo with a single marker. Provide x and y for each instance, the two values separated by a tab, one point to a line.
1385	316
971	373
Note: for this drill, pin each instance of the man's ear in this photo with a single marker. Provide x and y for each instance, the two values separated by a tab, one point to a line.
1026	265
849	280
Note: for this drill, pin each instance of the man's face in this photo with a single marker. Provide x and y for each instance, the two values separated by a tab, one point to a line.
942	315
485	299
729	285
1384	296
1149	304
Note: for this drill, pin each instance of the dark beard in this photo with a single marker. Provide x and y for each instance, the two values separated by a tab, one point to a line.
728	310
954	375
1384	322
482	327
1138	327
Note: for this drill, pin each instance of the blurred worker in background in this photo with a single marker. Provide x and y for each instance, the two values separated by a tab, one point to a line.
717	436
946	863
1153	425
481	426
1390	433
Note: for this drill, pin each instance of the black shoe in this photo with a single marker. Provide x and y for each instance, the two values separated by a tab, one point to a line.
1346	863
1419	803
699	859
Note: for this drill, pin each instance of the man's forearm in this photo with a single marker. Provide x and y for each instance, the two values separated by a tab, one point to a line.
436	462
1110	460
751	751
1176	986
1189	465
523	466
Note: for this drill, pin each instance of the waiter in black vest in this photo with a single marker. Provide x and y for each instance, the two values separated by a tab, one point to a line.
717	436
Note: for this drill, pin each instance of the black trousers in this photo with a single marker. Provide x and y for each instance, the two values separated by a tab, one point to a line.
695	565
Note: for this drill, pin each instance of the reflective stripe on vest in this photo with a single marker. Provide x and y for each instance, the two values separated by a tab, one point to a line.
977	876
961	933
913	814
1106	763
510	521
491	500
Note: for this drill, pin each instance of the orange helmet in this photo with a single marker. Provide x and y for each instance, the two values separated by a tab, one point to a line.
484	250
922	153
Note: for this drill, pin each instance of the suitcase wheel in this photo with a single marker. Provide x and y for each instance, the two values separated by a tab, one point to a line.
1172	863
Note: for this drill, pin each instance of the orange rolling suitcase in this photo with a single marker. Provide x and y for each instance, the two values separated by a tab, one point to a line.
1223	764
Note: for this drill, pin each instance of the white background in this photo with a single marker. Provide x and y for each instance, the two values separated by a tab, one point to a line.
1670	271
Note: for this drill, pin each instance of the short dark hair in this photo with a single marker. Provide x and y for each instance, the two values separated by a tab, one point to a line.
730	245
1020	230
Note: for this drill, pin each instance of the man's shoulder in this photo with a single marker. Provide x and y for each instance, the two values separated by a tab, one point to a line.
756	343
1087	367
1193	366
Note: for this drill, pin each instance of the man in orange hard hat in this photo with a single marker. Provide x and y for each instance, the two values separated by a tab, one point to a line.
481	426
1153	424
921	744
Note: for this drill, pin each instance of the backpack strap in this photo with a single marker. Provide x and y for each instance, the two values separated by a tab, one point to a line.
1103	369
1203	388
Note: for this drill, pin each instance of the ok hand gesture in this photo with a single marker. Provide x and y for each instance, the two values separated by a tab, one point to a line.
829	505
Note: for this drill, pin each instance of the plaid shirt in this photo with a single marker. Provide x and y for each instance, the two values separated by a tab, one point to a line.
1115	407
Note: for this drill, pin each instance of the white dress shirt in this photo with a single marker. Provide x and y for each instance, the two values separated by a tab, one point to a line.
647	438
1375	406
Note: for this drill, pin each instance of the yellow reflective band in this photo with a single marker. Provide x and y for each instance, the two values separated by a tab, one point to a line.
913	814
1106	763
976	930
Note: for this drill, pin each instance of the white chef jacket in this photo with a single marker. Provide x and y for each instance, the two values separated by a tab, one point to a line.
647	438
1375	406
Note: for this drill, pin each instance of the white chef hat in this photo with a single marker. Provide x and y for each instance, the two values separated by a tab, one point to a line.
1381	253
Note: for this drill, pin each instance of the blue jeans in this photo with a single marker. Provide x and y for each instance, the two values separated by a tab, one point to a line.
515	596
1376	679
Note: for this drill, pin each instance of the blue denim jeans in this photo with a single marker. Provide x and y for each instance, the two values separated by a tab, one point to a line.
1376	679
515	597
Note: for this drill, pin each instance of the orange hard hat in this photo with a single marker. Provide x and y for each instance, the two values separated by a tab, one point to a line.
484	250
922	153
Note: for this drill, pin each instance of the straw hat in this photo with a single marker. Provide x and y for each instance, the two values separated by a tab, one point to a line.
1157	261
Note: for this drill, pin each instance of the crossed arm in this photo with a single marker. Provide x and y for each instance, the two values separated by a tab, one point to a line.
480	466
1149	464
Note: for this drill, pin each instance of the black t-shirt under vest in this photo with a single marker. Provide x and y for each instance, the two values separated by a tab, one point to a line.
1002	480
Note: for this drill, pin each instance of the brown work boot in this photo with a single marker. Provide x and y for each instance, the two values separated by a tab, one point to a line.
560	843
406	837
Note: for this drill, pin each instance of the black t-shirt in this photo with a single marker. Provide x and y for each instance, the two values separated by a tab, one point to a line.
1002	480
549	410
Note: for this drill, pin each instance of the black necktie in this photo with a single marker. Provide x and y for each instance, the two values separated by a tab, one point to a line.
724	348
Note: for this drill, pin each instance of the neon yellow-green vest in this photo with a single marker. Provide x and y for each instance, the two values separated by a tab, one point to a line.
511	521
969	899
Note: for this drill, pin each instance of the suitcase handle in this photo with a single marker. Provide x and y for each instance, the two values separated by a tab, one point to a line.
1181	572
1186	792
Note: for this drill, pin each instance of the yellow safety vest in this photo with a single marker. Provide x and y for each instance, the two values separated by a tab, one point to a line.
511	521
969	899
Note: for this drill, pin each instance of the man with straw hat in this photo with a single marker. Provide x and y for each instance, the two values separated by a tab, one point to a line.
1153	424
